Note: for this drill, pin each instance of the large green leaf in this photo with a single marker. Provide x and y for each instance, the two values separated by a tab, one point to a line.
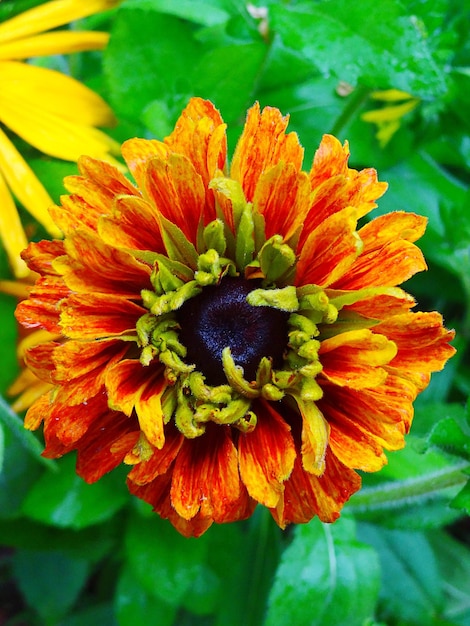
135	605
159	61
325	577
49	581
374	43
64	499
164	562
411	588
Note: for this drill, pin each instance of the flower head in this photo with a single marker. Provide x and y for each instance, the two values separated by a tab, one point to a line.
60	123
228	332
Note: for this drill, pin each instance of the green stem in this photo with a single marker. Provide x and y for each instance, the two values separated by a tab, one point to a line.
354	103
400	493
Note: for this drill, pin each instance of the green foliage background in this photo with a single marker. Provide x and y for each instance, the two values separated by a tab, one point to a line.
81	555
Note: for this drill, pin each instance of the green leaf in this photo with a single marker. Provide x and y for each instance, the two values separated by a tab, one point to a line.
49	581
18	473
102	615
135	605
205	12
411	588
92	543
64	499
462	500
376	44
413	490
25	437
325	577
164	562
453	559
159	61
227	76
8	335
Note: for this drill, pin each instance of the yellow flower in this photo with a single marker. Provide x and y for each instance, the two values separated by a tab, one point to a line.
388	118
50	111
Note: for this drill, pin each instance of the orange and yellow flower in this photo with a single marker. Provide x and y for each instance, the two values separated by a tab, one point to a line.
228	331
49	110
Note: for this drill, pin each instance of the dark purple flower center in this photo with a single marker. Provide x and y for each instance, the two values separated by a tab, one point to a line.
221	316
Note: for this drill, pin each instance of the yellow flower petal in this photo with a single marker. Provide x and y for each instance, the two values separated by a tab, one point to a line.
11	231
66	97
50	15
60	42
25	185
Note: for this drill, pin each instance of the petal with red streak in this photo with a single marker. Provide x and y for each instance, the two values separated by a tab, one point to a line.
266	456
263	144
355	358
92	265
133	224
96	316
41	310
206	479
306	495
329	251
176	190
130	386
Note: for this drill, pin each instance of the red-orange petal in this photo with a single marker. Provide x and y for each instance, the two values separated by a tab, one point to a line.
263	144
266	456
176	190
40	256
92	265
307	495
41	310
99	451
133	224
206	478
97	316
282	196
355	358
130	385
329	251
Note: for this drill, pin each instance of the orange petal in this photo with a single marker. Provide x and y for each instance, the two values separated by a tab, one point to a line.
315	436
160	461
38	412
199	135
423	344
99	451
40	256
391	265
266	456
157	494
354	358
392	227
205	477
131	386
329	251
41	310
92	265
176	190
263	144
69	423
96	316
75	359
138	152
133	224
382	414
336	186
282	196
39	360
306	495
